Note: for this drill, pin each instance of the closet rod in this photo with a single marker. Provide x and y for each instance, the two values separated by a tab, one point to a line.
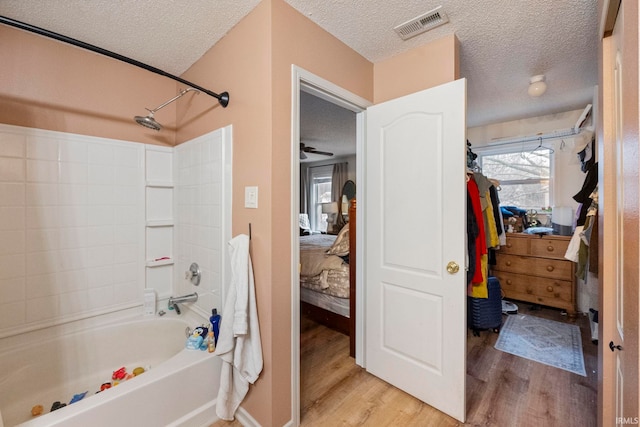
532	138
222	98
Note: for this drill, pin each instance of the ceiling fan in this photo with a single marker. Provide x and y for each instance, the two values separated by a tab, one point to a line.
304	149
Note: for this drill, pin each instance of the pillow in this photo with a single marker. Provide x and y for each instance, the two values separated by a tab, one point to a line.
340	246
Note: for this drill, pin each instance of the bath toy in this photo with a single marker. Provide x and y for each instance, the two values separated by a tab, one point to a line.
77	397
37	410
129	376
57	405
200	331
137	371
194	342
119	374
105	386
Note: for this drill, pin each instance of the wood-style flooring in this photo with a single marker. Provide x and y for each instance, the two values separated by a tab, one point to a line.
503	390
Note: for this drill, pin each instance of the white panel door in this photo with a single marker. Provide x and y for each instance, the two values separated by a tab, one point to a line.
415	226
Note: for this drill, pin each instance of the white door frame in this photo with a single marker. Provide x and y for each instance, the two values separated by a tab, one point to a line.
317	86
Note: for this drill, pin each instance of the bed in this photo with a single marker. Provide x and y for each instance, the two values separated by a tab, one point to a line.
327	278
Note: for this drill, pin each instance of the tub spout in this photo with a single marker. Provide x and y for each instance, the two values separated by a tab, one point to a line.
174	301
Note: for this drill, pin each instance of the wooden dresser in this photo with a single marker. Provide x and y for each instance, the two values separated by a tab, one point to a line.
533	268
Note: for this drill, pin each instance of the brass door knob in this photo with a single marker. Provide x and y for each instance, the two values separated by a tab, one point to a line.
453	267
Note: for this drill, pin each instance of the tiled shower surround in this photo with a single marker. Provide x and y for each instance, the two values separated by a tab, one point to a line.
73	239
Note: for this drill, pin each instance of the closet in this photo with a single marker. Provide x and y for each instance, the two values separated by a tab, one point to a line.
543	257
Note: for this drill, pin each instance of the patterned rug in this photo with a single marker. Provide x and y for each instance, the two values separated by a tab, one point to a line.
545	341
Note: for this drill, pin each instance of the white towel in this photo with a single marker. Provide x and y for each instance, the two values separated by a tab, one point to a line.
239	343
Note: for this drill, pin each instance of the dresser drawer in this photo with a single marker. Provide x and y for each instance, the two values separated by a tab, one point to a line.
543	267
550	248
516	246
536	289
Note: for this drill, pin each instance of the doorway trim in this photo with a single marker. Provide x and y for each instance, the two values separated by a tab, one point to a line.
303	80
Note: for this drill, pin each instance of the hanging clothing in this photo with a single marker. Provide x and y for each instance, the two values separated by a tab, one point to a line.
481	290
479	279
492	241
491	230
583	196
574	245
480	247
495	201
472	234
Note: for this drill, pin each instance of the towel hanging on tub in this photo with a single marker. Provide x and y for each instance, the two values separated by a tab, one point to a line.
239	343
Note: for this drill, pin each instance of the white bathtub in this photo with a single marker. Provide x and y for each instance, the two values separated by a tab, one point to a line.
179	389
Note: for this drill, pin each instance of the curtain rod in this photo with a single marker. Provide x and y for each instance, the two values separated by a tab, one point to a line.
222	98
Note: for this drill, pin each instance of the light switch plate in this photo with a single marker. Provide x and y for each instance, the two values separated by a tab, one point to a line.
251	197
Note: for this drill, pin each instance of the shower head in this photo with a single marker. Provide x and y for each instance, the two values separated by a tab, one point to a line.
149	122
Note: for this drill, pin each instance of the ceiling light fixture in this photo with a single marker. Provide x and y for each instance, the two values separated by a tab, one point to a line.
537	86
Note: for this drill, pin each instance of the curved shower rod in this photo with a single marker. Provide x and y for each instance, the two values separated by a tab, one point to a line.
223	98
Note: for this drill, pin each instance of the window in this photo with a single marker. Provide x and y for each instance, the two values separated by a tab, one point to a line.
524	175
320	194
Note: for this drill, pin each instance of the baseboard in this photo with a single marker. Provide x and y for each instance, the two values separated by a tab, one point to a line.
206	415
246	419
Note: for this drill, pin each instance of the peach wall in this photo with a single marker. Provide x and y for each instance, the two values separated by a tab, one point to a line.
51	85
240	64
256	70
296	40
426	66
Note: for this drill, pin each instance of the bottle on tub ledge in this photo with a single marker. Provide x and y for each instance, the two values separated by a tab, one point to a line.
211	343
215	324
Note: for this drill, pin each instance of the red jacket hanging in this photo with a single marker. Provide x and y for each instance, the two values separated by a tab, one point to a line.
481	241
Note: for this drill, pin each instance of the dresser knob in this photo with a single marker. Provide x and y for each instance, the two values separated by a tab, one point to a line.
508	245
509	282
550	268
549	288
529	291
508	263
550	248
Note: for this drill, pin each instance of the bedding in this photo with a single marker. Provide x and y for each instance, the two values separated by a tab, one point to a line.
323	272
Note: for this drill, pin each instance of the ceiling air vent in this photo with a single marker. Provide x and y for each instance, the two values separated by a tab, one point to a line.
422	23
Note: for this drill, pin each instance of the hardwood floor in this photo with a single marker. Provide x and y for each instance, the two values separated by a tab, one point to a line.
503	390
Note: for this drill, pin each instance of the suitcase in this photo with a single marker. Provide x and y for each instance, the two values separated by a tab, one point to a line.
486	313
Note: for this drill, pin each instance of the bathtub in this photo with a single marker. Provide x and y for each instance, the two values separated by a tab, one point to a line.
178	389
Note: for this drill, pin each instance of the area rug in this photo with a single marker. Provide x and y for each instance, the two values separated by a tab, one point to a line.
546	341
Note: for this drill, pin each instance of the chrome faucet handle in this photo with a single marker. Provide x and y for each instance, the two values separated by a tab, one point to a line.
193	274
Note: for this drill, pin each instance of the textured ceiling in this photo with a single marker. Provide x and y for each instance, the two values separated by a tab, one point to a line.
503	42
326	127
168	34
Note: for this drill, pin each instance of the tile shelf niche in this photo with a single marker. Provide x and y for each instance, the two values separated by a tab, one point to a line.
159	219
159	263
160	223
159	184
